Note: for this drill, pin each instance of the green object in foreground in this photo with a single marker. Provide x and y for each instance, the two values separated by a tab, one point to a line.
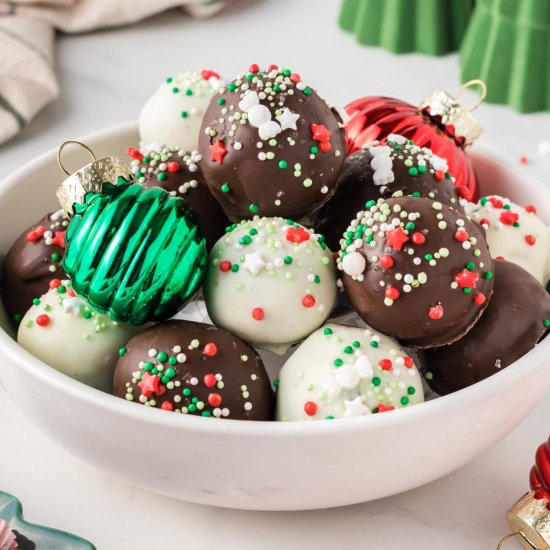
507	45
433	27
134	253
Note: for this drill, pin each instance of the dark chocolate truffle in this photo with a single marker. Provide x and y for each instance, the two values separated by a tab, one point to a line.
271	146
32	262
417	270
194	368
179	172
394	169
517	317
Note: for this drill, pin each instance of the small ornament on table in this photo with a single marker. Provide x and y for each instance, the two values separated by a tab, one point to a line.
441	124
134	253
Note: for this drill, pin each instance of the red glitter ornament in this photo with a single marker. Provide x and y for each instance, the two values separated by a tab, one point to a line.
539	477
310	408
374	118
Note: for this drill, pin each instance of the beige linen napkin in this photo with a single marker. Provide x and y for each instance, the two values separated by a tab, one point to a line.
27	29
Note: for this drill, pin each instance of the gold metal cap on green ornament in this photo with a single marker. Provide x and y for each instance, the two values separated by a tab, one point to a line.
434	27
446	108
89	179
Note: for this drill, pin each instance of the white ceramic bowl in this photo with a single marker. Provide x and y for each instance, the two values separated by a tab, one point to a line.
257	465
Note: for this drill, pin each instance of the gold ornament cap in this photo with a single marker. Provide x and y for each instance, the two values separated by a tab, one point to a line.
89	179
444	106
529	519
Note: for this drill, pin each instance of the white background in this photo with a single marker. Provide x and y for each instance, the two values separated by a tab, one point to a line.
105	77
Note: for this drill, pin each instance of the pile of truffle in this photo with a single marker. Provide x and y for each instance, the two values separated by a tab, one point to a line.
441	290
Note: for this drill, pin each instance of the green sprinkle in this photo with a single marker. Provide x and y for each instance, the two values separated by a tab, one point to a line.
338	362
287	260
231	87
467	290
170	372
192	407
411	390
36	302
330	417
317	279
405	400
245	240
307	91
253	208
186	392
188	91
175	90
206	413
183	114
165	379
470	266
148	367
488	275
172	361
376	381
61	289
235	268
327	331
410	226
122	352
314	149
169	80
139	175
348	349
276	382
283	164
370	204
56	257
415	194
249	77
221	101
225	188
87	314
421	169
161	357
546	323
483	201
374	344
253	231
428	257
356	344
287	72
162	176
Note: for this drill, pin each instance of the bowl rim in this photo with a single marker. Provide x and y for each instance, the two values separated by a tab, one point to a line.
36	368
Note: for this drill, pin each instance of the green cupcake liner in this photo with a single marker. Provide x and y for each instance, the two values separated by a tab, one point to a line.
507	45
434	27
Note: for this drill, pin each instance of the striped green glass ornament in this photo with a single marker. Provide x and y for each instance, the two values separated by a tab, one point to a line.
134	253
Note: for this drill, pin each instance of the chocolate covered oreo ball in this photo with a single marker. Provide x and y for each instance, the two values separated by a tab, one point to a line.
194	368
271	146
417	270
172	116
270	281
393	169
342	372
516	234
32	261
179	172
518	316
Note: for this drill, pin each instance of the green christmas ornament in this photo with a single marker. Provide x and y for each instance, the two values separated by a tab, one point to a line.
131	252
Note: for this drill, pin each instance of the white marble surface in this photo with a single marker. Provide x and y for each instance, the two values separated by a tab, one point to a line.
105	77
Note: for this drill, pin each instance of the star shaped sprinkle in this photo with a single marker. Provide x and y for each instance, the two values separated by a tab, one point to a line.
508	218
150	384
218	151
319	132
288	119
59	239
355	408
297	235
467	279
254	263
396	238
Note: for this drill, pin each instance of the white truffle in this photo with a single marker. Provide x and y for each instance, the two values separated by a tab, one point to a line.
270	282
341	372
516	234
173	114
64	333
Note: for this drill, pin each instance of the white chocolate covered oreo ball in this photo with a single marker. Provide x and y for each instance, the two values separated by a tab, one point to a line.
342	372
173	114
515	234
271	282
62	331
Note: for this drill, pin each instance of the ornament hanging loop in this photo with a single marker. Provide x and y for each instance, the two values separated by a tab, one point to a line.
504	539
471	84
72	142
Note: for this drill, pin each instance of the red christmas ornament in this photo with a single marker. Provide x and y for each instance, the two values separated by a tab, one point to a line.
539	478
440	124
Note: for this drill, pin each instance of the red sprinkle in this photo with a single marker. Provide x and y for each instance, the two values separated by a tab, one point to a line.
500	258
320	133
297	235
497	203
480	298
461	236
55	283
167	406
387	262
392	293
258	313
225	266
210	349
43	320
151	384
71	292
134	153
396	238
436	312
467	279
36	234
530	239
173	167
508	218
409	363
272	67
383	408
485	222
309	301
218	151
418	238
385	364
59	239
325	146
523	159
215	399
295	77
310	408
531	209
207	74
439	175
209	380
253	68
